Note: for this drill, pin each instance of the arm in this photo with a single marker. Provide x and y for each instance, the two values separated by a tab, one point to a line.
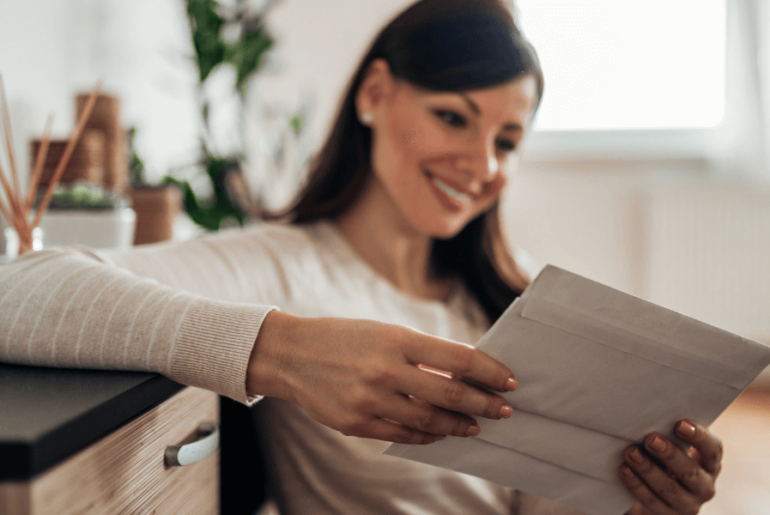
63	307
69	308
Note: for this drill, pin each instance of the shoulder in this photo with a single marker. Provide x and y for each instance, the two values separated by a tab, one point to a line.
286	239
262	239
262	248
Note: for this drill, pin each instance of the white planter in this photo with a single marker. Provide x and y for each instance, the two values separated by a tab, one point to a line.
95	229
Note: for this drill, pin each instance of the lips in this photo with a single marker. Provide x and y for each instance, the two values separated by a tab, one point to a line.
459	196
454	195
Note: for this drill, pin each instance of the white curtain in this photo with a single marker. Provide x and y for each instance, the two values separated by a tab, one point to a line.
746	131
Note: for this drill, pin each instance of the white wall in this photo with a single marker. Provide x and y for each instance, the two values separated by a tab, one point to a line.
35	49
318	46
669	232
50	50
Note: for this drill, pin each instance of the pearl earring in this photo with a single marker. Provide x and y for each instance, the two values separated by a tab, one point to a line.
367	117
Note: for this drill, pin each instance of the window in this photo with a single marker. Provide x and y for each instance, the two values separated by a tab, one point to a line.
633	67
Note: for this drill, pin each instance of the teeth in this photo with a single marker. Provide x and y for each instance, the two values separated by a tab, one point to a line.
462	197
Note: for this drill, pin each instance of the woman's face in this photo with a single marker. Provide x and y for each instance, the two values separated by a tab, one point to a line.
439	158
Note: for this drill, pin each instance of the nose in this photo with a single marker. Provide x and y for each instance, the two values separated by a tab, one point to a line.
480	163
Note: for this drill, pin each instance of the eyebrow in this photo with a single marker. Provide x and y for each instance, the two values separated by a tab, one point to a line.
475	108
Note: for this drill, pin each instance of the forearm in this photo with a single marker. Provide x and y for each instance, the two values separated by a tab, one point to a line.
61	307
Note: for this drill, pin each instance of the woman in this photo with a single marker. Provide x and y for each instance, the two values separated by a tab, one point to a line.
398	224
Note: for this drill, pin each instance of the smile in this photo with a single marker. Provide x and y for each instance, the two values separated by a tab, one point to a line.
451	192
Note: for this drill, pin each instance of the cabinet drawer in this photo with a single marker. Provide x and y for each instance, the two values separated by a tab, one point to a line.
124	472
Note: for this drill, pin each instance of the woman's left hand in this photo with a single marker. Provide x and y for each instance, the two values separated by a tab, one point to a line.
681	481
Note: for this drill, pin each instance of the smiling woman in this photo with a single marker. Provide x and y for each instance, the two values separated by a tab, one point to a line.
397	231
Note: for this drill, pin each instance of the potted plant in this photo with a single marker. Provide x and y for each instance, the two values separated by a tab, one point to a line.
156	206
243	51
83	213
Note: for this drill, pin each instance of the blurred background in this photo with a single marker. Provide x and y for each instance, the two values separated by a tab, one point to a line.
648	169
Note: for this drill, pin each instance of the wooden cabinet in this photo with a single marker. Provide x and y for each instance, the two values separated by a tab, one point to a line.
125	471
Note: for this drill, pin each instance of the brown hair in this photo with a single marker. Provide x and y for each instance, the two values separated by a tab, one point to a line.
478	254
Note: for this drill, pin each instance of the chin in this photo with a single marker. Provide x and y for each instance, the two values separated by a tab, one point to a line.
442	229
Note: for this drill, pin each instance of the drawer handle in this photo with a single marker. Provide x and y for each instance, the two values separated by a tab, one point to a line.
181	455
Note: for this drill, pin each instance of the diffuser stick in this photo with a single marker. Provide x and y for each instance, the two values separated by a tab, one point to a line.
9	139
7	214
66	156
42	154
12	201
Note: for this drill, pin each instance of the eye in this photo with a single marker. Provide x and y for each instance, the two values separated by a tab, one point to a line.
505	145
451	118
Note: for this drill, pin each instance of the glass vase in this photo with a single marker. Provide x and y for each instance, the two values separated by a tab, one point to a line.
17	244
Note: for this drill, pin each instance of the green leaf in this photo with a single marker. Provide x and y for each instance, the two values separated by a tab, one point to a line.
296	122
136	168
210	215
206	27
246	54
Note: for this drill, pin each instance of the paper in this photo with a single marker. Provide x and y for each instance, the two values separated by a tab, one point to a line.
598	370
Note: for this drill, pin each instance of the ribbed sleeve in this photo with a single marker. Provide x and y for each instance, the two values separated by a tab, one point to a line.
70	308
208	327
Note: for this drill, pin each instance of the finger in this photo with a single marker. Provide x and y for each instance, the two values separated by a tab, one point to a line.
660	483
637	509
652	503
687	470
707	444
381	429
453	394
461	360
420	415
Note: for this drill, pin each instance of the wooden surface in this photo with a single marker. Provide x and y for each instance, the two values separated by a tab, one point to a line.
743	487
48	415
124	472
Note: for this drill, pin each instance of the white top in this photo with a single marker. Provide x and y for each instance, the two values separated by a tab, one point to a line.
192	311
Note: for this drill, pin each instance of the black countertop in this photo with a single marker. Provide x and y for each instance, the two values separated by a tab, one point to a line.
47	415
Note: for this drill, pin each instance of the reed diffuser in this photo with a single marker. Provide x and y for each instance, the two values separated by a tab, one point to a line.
17	208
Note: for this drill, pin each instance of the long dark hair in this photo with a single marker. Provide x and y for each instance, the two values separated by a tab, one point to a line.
478	254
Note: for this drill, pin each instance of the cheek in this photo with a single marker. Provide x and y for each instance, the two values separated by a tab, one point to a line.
415	138
426	141
399	151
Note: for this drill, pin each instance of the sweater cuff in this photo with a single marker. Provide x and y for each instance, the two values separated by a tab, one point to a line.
213	346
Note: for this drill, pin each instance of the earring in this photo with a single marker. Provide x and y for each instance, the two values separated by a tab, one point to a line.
367	117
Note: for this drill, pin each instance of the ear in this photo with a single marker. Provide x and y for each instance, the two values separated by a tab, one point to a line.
375	90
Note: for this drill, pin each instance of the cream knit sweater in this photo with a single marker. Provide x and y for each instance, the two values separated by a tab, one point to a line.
192	311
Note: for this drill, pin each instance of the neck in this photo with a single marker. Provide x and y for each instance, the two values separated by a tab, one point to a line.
399	253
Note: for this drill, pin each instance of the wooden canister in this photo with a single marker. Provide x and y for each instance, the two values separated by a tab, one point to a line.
106	118
156	208
85	165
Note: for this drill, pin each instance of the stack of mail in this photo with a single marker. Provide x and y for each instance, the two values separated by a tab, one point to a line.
598	370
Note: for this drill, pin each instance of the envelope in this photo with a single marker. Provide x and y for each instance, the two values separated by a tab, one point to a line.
598	370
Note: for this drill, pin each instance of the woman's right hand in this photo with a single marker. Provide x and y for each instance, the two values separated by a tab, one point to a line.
362	378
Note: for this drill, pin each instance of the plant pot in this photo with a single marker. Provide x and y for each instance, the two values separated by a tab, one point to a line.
156	208
99	229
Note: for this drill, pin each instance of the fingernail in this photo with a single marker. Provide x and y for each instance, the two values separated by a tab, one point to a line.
685	429
473	431
505	412
657	444
511	384
636	456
